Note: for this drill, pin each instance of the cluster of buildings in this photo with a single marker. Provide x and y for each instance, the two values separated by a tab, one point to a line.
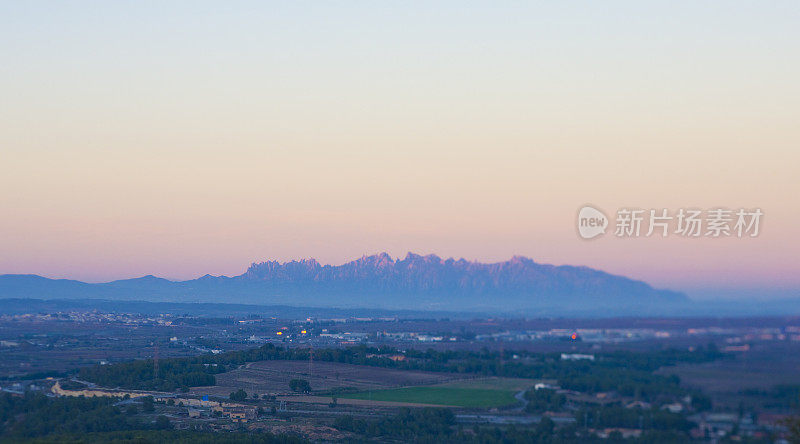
582	334
91	316
234	412
203	408
720	425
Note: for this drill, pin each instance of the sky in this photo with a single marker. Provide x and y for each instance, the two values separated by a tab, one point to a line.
184	138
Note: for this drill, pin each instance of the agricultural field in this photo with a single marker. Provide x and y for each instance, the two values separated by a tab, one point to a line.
477	393
272	377
760	369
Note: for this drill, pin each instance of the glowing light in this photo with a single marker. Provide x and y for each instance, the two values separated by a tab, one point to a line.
280	333
303	332
574	336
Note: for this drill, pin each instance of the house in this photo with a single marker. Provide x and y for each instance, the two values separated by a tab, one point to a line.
675	407
737	348
772	421
624	433
239	413
638	405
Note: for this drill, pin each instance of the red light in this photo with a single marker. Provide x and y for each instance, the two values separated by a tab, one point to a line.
574	336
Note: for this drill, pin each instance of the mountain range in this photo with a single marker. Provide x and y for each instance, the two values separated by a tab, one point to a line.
517	286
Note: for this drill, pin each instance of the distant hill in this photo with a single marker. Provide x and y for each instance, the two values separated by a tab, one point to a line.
517	286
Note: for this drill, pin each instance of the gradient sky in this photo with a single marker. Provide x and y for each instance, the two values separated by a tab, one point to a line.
185	138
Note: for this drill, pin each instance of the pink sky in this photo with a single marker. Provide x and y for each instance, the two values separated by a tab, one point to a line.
180	145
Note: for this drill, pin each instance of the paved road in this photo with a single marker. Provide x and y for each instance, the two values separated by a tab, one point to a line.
520	396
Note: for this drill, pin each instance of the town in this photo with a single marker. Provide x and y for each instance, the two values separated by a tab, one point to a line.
311	377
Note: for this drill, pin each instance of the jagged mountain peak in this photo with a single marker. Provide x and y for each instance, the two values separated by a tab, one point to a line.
380	258
416	274
517	285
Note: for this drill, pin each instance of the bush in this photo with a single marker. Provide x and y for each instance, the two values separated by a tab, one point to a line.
162	423
300	385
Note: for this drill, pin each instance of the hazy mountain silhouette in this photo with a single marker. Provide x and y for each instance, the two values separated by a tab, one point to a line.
416	282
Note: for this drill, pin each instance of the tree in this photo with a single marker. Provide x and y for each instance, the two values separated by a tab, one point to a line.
300	385
162	423
147	404
793	424
238	395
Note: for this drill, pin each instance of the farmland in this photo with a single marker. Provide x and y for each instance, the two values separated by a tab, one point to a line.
480	393
272	377
388	382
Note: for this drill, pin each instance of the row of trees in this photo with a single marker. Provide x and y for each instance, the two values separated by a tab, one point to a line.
439	426
408	424
544	400
173	374
620	417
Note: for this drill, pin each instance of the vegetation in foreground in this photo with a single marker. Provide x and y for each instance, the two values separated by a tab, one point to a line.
431	425
164	436
34	415
37	418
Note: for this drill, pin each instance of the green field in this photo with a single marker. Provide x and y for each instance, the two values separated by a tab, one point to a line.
493	392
